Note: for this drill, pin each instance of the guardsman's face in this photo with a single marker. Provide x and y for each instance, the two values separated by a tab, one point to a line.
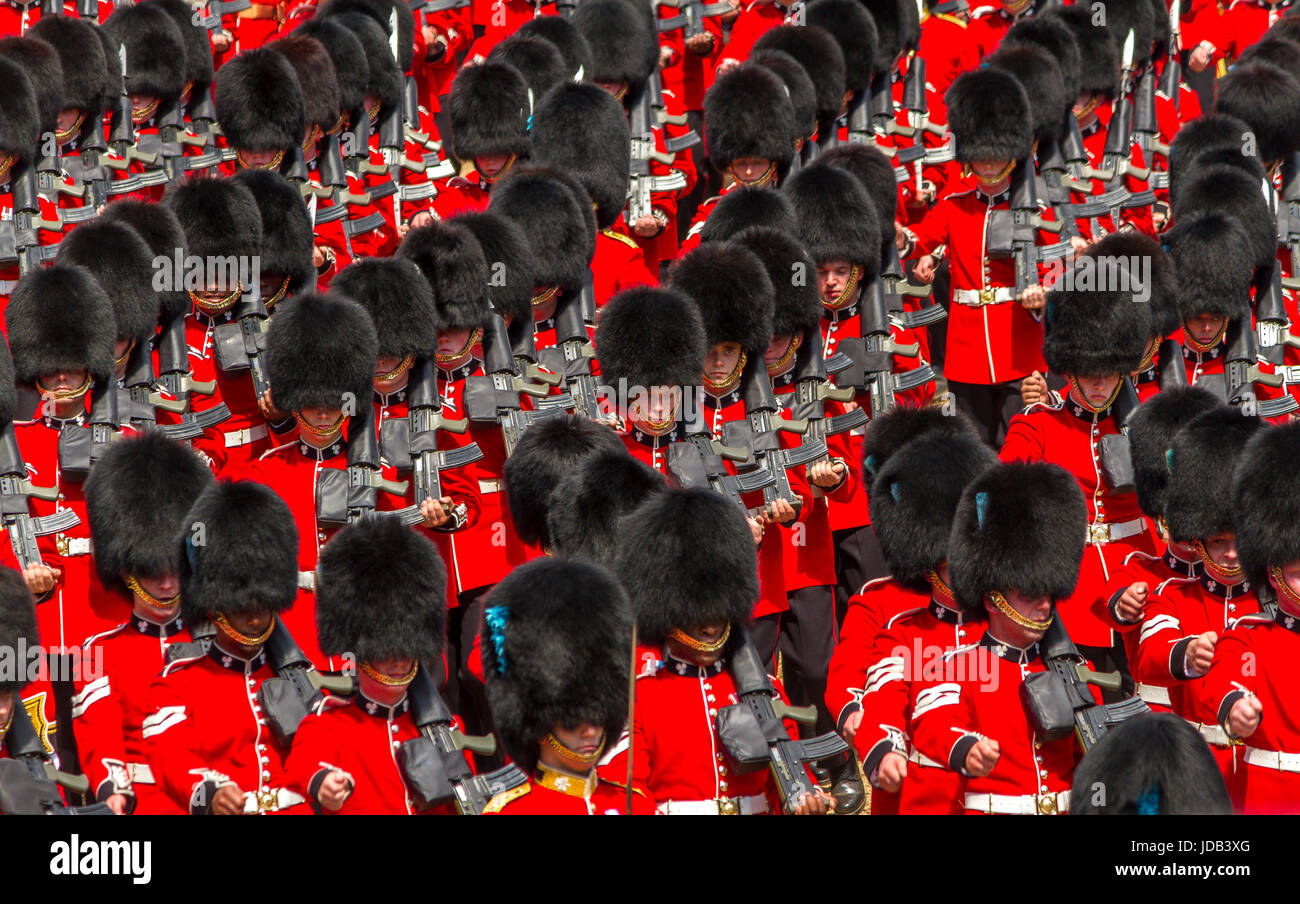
1038	609
613	88
832	277
452	342
67	119
251	624
1291	580
321	418
386	365
1204	327
1222	549
257	159
393	667
142	106
491	165
750	169
120	348
64	380
777	350
1097	390
655	410
721	361
707	633
163	587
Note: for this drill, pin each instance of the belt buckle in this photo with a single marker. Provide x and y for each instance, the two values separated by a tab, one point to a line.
1046	804
268	801
61	544
1099	533
728	806
988	296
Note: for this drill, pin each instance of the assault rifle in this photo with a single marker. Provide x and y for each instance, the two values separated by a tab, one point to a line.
347	495
811	390
240	345
573	354
1172	77
1241	373
296	688
641	183
143	400
15	492
495	397
176	381
871	357
1013	232
29	783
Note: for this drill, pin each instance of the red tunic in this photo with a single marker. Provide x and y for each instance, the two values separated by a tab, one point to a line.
949	48
619	264
553	793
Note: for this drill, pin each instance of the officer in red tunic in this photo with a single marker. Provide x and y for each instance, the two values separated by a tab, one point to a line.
346	757
674	544
489	110
137	500
557	637
1014	553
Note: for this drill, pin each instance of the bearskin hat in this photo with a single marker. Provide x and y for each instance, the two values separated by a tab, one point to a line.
746	206
40	63
586	508
260	103
287	239
137	497
891	430
1214	260
59	318
556	638
1123	16
17	626
1265	502
567	39
676	544
1267	99
1041	78
8	391
837	220
314	67
989	116
379	12
89	77
624	47
503	240
489	109
238	550
1019	526
895	22
320	350
796	305
1230	191
399	301
122	263
219	216
537	59
1154	765
1159	30
803	97
198	49
875	172
1203	454
155	50
854	29
546	452
1098	54
820	57
914	497
1097	330
383	77
1273	50
1288	27
1163	284
352	72
731	287
452	261
553	219
1151	431
1052	35
161	230
651	337
1209	140
732	131
19	115
583	129
382	593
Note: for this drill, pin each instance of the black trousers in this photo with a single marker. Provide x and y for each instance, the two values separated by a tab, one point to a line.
990	406
470	694
804	637
858	559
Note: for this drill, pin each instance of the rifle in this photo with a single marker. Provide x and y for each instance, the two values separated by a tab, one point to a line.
1170	370
142	399
494	398
121	126
894	285
883	119
434	764
1272	325
1288	218
641	184
812	388
29	782
176	381
1172	77
1012	232
573	354
1115	154
344	496
240	344
296	688
1241	373
412	444
1059	702
754	735
15	491
216	10
871	357
411	117
1145	129
19	241
81	447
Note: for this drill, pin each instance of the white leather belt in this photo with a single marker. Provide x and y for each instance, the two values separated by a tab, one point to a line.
1108	532
307	580
272	800
916	756
489	486
1273	759
1020	804
141	773
1154	693
1213	734
243	437
7	286
752	805
978	298
73	546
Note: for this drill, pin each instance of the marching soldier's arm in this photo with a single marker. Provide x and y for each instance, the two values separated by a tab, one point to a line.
173	746
97	721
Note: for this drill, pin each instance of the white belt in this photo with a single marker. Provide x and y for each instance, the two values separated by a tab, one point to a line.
1154	693
247	435
1107	532
270	801
1213	734
978	298
1273	759
489	486
307	580
7	286
73	546
916	756
141	773
1020	804
752	805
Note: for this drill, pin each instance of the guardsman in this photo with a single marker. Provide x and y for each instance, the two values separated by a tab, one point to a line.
557	640
137	500
209	743
261	110
285	258
489	108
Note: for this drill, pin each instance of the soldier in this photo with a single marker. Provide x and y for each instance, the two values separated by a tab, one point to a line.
285	259
137	500
489	110
209	742
556	643
260	107
1014	553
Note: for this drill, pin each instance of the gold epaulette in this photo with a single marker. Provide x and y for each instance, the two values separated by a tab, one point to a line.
499	802
622	238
